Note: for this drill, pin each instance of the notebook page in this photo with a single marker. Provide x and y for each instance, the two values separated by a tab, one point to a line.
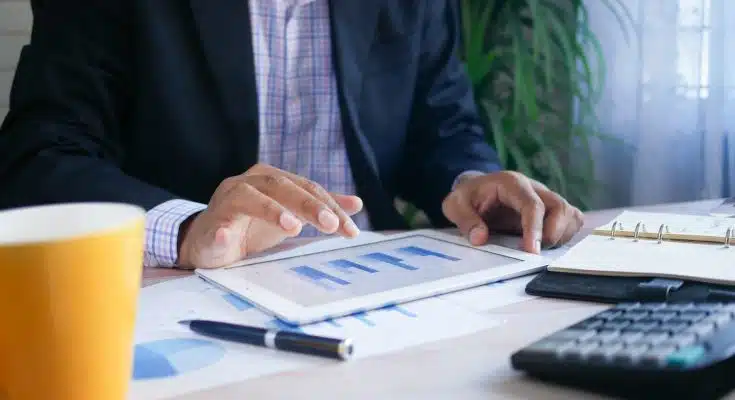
701	228
623	256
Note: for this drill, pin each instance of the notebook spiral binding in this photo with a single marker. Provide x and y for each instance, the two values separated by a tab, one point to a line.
663	229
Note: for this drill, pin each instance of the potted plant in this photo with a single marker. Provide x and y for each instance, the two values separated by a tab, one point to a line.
537	71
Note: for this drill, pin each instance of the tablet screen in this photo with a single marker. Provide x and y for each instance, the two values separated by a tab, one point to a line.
330	276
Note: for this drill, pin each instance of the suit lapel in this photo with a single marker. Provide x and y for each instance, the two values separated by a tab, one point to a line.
354	25
226	40
353	31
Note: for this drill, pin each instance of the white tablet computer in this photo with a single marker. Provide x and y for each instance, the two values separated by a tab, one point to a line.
391	270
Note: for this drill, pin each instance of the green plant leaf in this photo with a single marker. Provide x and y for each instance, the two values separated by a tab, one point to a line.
537	71
495	118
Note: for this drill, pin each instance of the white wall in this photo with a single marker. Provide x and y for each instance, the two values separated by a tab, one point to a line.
15	26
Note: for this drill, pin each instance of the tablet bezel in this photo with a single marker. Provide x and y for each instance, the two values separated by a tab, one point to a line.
297	314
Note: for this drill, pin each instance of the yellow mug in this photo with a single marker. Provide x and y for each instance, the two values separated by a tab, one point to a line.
69	281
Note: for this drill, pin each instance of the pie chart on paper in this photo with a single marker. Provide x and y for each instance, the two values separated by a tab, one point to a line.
168	358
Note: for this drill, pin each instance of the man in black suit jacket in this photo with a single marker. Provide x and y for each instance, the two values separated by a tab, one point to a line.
146	102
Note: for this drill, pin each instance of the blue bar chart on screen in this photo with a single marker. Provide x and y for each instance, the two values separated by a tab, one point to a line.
362	270
329	281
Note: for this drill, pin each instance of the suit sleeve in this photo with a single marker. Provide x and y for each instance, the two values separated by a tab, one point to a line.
446	136
62	138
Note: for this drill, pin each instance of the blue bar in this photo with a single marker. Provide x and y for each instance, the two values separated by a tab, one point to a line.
347	264
284	326
397	262
394	307
418	251
405	312
362	317
317	276
238	303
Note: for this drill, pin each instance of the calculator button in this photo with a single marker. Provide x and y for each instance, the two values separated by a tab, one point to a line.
673	327
730	307
656	356
589	324
692	316
638	347
680	307
629	355
615	324
627	306
609	314
630	337
652	306
701	330
605	352
708	307
636	315
718	318
579	352
684	339
663	316
607	335
642	326
686	356
655	338
546	347
572	335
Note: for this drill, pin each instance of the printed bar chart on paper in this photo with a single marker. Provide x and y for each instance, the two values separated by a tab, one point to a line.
322	278
171	360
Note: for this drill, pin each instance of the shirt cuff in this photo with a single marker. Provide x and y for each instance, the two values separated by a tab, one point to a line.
162	231
468	174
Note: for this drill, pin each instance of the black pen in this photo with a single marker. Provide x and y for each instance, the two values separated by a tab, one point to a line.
275	339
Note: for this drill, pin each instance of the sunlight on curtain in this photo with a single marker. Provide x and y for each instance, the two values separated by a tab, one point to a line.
670	96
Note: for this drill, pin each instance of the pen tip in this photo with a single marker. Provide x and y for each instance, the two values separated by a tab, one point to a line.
184	322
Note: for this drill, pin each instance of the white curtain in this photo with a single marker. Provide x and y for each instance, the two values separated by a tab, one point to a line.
669	95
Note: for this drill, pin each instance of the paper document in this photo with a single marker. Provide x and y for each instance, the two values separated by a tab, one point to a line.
171	360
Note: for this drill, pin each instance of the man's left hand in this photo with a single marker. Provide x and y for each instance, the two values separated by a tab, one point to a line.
511	202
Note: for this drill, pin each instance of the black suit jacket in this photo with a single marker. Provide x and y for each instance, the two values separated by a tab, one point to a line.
144	101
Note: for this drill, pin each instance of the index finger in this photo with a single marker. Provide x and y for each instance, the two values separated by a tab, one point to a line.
347	226
520	195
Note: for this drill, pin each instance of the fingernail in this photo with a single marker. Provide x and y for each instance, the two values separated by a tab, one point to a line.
351	228
537	243
220	236
476	235
328	220
289	221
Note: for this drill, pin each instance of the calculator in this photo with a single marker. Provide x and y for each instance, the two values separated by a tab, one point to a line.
641	350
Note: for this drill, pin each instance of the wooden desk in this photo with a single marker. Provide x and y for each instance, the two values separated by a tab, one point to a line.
470	367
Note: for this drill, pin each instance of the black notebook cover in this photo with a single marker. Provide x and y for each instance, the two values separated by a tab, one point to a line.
616	289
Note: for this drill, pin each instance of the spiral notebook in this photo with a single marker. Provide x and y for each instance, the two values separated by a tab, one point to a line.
662	245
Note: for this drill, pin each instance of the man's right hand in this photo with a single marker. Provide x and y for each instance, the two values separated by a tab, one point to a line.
257	210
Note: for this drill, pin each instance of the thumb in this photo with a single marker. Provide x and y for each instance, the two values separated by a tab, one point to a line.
217	245
221	248
459	210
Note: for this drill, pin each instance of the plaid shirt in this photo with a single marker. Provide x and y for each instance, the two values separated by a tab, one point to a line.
299	116
299	113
